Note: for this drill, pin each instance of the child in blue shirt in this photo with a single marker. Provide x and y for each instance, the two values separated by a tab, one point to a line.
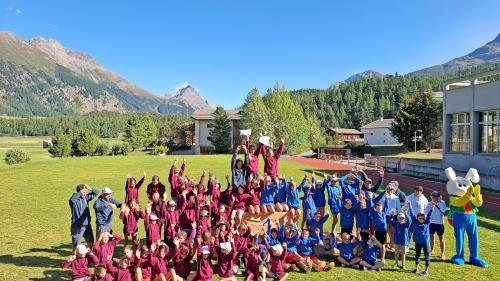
319	195
318	221
267	189
362	209
346	246
305	247
377	217
421	236
347	213
334	201
401	224
369	258
280	194
293	197
308	206
350	186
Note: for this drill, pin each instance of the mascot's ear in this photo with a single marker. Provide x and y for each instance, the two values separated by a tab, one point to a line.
450	174
472	175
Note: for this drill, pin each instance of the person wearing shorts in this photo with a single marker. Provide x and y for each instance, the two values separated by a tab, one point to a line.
80	215
437	222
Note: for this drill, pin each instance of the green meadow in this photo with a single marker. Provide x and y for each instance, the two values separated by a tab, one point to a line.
35	215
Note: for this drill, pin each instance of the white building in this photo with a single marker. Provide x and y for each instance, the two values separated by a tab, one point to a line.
378	133
202	118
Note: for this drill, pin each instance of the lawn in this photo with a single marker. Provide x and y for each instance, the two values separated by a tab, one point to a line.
34	237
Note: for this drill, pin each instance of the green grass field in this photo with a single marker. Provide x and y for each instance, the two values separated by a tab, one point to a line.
34	232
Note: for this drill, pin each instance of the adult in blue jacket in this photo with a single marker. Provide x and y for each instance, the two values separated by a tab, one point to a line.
104	207
80	215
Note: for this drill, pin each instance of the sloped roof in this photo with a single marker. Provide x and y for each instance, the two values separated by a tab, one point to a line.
206	114
345	131
380	123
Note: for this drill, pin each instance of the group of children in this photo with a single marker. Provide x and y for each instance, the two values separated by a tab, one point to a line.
201	230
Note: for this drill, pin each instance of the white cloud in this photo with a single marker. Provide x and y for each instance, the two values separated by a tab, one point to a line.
13	9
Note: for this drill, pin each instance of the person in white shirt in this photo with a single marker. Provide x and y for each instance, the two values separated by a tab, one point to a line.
437	221
418	201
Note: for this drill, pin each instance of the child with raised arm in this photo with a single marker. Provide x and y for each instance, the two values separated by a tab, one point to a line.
276	262
183	254
347	214
152	226
308	206
132	188
129	215
421	236
104	249
305	247
155	186
123	272
253	189
171	216
79	263
238	168
369	258
253	157
293	197
204	267
175	178
334	199
225	258
346	246
144	268
240	202
100	274
318	221
350	186
160	268
362	209
401	224
271	159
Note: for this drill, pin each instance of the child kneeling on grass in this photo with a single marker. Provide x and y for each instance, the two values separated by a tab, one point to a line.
369	258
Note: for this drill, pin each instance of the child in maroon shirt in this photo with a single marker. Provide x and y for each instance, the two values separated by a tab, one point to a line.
271	160
171	217
132	188
105	247
225	259
252	255
253	158
174	178
188	205
204	269
130	214
100	274
123	272
159	262
80	263
155	186
183	254
143	267
253	189
152	226
277	262
240	201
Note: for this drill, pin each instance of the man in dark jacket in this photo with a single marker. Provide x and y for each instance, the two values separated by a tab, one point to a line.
80	215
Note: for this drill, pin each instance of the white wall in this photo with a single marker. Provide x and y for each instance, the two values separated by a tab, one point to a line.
378	136
202	131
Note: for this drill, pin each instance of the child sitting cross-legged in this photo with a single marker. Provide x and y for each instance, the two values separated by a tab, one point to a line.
276	263
100	274
369	258
306	246
80	263
346	246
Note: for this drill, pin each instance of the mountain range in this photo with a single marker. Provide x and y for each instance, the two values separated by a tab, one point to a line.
41	77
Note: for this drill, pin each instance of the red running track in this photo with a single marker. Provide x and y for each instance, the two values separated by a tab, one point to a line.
491	200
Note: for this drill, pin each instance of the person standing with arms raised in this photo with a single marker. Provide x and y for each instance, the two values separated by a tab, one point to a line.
80	215
271	159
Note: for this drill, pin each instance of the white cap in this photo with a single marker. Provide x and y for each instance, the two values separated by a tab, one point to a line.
335	179
226	246
401	215
153	217
81	249
277	248
205	250
107	190
265	140
319	182
172	202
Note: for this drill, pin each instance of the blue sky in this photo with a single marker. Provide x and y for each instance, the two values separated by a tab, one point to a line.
225	48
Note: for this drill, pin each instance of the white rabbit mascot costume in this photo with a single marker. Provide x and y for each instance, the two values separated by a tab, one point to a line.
465	198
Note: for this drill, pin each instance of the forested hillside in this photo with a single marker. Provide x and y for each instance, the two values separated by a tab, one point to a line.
353	104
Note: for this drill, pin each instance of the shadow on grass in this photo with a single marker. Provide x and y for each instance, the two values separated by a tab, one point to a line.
61	250
319	172
53	274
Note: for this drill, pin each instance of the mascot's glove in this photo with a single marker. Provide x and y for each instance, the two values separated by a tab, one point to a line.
476	189
470	190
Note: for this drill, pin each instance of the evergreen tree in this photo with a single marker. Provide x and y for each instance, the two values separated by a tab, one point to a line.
61	145
220	135
86	143
255	114
141	132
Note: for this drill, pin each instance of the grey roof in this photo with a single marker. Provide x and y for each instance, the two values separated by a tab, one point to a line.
380	123
203	114
345	131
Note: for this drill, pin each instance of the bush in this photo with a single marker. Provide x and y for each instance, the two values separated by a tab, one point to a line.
125	148
359	149
116	149
102	149
160	149
16	156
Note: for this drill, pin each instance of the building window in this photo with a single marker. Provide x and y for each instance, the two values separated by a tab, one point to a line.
460	132
372	134
489	122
